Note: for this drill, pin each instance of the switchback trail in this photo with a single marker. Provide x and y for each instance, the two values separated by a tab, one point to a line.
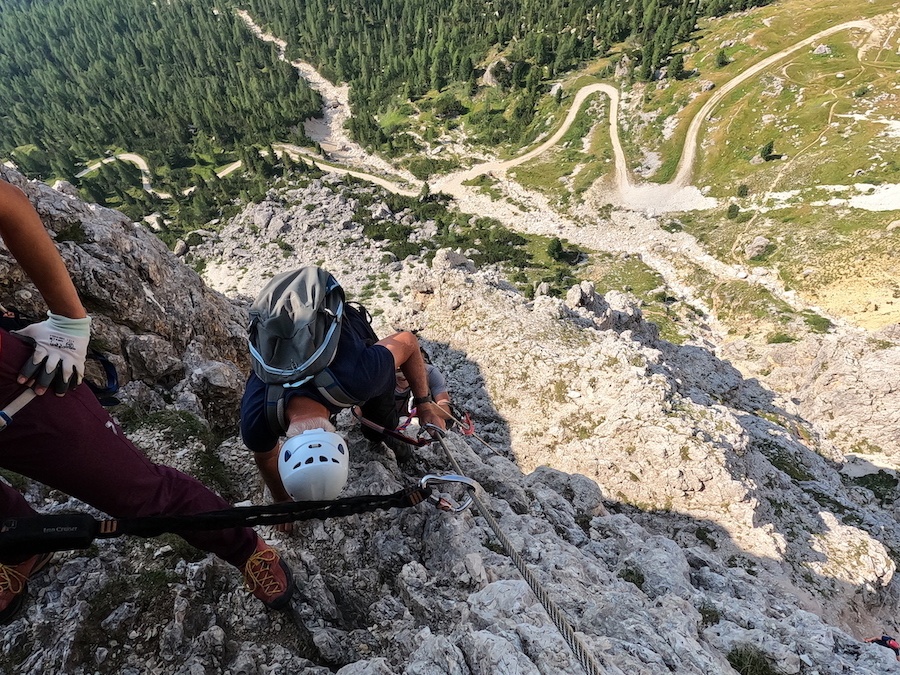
652	198
631	231
684	172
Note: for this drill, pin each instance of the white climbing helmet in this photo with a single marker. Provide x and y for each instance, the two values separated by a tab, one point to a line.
313	465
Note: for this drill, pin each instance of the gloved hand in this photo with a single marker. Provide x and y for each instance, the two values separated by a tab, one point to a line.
60	348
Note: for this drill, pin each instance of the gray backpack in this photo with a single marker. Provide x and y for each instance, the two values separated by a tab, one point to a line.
295	326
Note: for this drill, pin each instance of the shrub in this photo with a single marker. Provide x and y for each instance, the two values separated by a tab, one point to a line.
672	226
555	249
882	484
676	66
750	660
778	338
423	167
817	323
632	575
397	234
709	615
447	106
706	537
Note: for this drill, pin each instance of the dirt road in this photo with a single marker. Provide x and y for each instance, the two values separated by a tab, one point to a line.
633	230
684	172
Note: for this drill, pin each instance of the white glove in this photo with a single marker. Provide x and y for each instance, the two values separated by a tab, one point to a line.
60	348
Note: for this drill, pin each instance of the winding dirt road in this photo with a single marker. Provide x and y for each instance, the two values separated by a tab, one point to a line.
452	183
678	194
296	152
132	158
328	131
634	230
651	198
684	172
144	168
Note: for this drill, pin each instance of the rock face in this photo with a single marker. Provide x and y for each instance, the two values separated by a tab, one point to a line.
682	516
678	433
149	309
848	386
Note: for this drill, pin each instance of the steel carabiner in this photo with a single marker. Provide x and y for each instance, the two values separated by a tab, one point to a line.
425	432
446	504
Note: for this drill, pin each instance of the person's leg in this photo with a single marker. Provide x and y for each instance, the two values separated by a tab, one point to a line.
12	503
382	411
71	444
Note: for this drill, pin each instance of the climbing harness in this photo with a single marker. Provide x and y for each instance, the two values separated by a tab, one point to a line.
72	531
587	660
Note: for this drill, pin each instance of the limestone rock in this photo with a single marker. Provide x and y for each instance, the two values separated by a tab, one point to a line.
756	247
674	509
446	259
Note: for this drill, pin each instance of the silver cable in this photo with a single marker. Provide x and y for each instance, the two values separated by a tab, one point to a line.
585	658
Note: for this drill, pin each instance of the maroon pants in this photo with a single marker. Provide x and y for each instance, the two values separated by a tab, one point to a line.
71	444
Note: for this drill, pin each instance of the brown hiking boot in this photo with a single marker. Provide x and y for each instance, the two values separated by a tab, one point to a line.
14	584
268	577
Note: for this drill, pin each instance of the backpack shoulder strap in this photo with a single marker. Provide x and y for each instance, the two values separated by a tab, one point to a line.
327	386
275	408
332	390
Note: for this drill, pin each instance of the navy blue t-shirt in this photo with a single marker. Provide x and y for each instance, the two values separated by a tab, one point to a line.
363	371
